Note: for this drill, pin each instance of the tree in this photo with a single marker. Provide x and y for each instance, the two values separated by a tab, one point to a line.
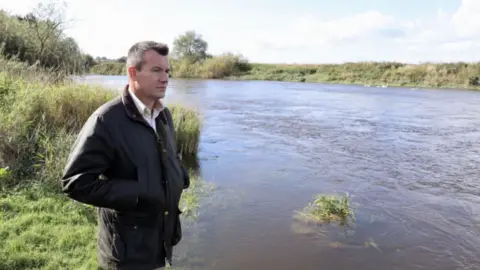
122	59
46	22
190	46
88	61
101	59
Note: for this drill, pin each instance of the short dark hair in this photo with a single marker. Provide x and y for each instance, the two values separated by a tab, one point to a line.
135	53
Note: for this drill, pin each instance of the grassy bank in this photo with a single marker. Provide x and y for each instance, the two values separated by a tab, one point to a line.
443	75
429	75
39	119
42	230
46	231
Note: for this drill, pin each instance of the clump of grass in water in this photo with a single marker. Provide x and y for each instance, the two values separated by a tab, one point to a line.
190	200
188	125
327	208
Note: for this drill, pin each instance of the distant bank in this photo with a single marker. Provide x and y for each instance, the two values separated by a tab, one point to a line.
429	75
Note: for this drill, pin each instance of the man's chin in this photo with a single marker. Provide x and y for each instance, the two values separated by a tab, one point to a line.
160	93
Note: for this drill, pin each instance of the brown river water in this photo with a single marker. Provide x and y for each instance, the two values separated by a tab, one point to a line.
409	159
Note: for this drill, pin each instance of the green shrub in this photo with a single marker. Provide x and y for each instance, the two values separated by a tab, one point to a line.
222	66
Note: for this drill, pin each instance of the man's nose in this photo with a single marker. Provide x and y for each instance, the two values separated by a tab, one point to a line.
164	77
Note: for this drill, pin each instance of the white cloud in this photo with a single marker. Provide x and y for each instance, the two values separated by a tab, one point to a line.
360	25
466	21
311	31
457	34
460	45
445	37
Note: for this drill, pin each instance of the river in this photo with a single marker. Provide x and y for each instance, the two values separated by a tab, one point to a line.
410	159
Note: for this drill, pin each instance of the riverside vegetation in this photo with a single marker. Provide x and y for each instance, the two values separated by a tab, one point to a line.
233	67
41	112
191	60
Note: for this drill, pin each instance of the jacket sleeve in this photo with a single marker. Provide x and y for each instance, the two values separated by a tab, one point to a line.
91	156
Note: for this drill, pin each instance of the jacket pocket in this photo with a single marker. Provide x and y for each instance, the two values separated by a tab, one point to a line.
140	243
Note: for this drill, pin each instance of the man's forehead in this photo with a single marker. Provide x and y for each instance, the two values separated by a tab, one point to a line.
153	54
154	58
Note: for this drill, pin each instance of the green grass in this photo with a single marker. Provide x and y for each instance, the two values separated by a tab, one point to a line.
43	230
46	231
328	208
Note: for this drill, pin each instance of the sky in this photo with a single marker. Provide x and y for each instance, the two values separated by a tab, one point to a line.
280	31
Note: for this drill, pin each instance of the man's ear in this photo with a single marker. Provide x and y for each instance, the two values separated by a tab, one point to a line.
132	72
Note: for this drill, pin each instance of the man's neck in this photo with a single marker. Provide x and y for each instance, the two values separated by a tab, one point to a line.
148	103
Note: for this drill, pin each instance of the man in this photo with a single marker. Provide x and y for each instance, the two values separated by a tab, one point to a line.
125	162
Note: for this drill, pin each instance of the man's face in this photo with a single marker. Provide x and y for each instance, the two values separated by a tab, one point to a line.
151	81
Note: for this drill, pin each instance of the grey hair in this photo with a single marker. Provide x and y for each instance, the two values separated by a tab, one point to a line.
135	53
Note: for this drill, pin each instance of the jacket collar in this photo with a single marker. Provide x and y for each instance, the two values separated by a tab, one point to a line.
129	105
132	109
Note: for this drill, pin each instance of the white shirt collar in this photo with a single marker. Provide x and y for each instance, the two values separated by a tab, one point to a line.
144	110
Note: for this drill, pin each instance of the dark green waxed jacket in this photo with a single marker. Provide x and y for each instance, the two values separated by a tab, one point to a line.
135	178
